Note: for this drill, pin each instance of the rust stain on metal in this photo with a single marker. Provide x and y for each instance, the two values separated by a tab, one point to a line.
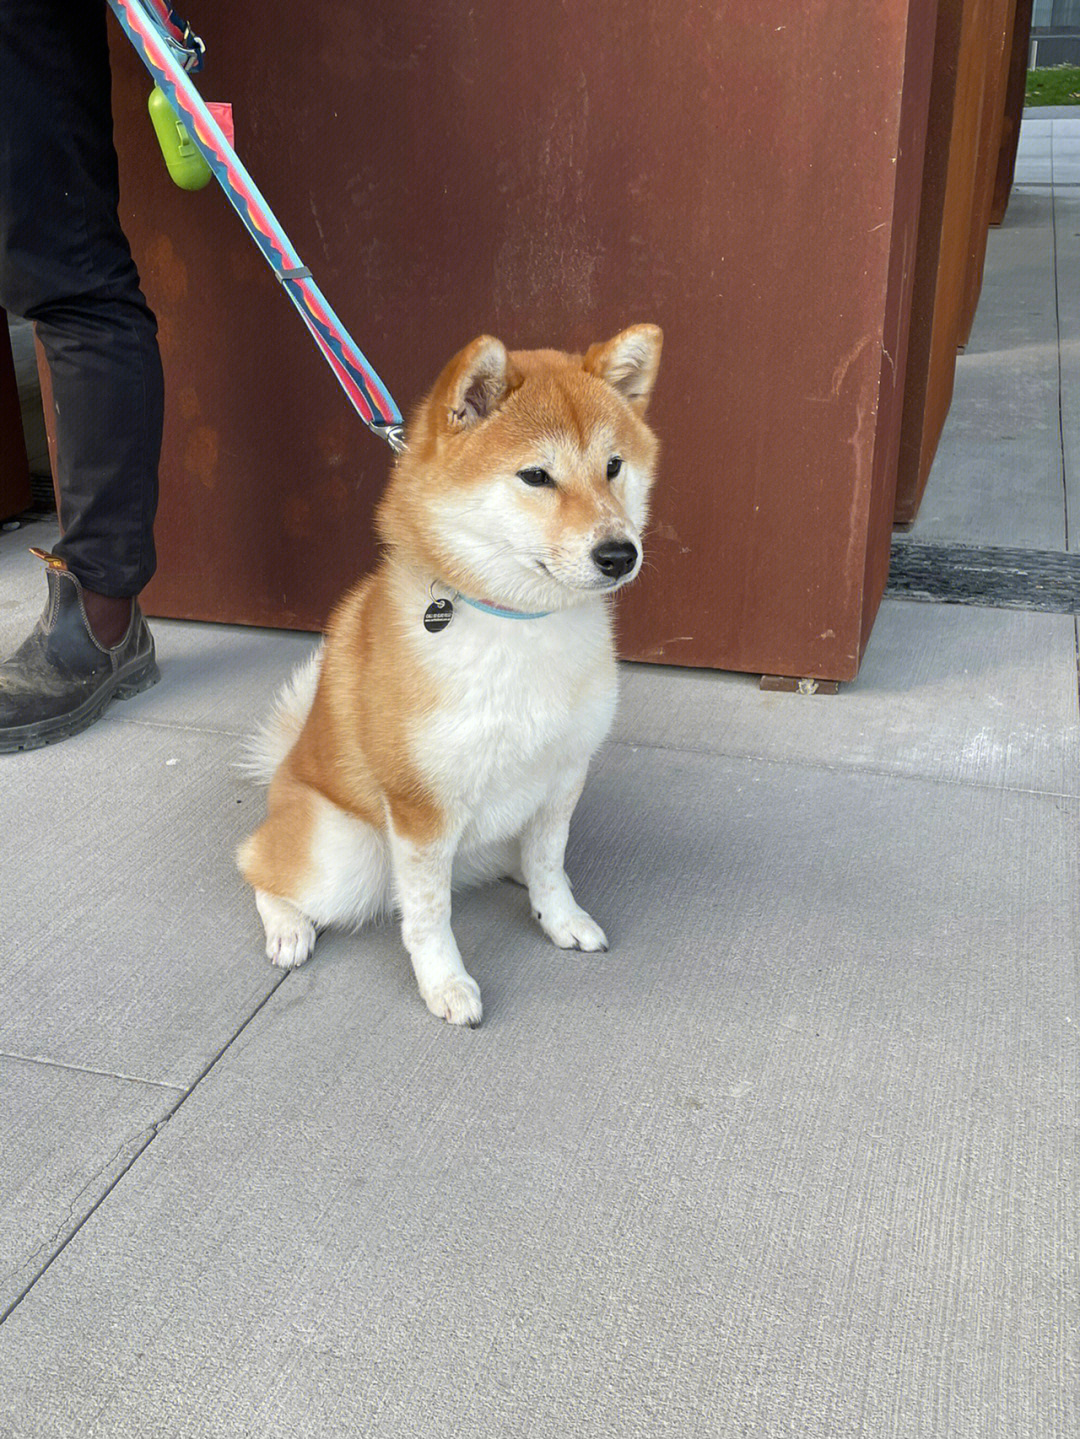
201	455
189	403
169	272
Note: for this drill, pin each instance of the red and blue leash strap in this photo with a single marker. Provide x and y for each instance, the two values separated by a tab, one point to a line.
168	49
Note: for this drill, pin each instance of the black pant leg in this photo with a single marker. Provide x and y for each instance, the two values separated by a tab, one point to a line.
65	264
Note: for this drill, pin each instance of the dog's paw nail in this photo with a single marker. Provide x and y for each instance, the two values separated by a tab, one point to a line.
457	1001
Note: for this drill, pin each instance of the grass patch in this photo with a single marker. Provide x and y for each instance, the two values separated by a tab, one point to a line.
1060	85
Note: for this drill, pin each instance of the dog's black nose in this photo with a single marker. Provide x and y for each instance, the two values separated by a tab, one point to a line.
615	558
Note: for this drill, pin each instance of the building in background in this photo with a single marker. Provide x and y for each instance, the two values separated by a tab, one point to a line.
1055	34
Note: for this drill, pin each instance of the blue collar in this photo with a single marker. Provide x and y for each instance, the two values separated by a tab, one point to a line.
505	614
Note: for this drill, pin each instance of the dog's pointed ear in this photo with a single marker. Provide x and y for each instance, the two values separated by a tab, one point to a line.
475	383
628	363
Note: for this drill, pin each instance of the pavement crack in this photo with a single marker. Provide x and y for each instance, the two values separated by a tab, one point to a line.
147	1134
49	1247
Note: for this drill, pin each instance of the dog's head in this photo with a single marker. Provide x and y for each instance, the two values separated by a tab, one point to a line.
527	474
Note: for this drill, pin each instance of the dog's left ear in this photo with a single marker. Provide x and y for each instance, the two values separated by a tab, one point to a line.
629	363
475	383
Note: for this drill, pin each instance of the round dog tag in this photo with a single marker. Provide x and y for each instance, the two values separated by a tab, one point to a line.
438	615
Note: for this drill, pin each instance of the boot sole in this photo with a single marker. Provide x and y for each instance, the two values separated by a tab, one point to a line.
44	732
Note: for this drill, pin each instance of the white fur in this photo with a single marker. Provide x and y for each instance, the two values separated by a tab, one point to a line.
267	747
525	705
290	935
524	702
351	880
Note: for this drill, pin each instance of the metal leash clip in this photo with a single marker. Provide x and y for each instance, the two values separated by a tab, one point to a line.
188	48
192	49
394	435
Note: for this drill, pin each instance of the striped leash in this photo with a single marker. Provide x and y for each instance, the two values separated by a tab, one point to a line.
170	50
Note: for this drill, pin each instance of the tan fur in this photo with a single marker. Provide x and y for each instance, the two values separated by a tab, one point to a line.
276	857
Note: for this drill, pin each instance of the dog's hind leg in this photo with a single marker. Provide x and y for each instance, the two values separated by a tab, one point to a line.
349	877
312	865
272	861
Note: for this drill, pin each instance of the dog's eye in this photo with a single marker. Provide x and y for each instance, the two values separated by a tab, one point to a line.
535	477
614	465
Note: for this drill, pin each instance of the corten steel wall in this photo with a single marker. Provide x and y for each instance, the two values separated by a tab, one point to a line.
910	162
957	95
999	57
1015	90
747	177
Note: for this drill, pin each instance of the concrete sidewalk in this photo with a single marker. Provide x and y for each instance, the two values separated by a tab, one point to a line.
797	1157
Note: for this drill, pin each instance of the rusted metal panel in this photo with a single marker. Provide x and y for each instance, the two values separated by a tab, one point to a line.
1015	91
1003	13
551	177
945	222
914	118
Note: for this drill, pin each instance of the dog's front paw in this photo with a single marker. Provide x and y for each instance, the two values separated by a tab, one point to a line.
456	1000
572	928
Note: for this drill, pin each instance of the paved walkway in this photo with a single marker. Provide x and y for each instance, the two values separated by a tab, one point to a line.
798	1157
1008	468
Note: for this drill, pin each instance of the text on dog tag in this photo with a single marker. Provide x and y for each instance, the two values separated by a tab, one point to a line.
438	615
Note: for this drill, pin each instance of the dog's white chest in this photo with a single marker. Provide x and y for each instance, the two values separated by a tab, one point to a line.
520	701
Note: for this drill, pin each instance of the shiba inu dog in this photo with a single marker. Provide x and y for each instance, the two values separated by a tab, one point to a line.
441	734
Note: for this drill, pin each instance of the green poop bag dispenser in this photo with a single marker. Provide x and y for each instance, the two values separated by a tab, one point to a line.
186	166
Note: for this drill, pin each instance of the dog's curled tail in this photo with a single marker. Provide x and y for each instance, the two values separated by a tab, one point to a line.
275	737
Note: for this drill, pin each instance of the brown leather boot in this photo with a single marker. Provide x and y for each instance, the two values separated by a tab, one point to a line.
61	679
